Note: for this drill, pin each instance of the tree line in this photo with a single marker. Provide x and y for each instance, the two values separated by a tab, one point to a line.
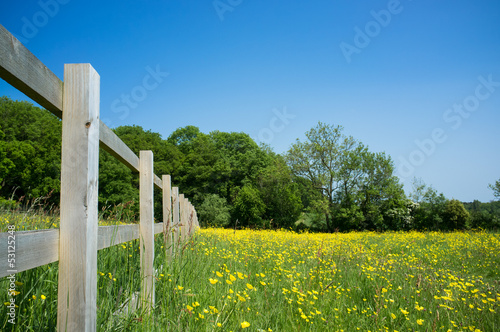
328	182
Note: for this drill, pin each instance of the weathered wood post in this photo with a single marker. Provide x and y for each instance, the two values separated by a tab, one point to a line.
167	215
188	217
77	290
196	220
182	211
191	218
146	180
175	209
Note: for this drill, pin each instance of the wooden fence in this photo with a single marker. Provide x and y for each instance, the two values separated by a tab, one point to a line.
76	242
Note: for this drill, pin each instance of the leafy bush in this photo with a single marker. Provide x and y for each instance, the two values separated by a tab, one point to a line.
214	211
455	214
248	206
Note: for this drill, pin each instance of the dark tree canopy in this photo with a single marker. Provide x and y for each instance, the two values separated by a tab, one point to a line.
30	152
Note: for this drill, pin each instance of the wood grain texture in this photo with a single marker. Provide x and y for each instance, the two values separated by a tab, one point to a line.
77	291
167	214
193	216
190	217
146	181
157	182
113	235
182	218
175	219
158	227
21	69
111	143
46	243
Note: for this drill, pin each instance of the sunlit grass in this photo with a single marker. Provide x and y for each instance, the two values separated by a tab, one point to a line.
226	280
286	281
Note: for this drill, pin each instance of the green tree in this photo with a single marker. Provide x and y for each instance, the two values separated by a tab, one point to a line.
280	194
431	206
218	163
214	211
357	185
319	159
483	215
239	159
196	174
248	206
379	191
183	138
455	215
30	151
118	185
496	189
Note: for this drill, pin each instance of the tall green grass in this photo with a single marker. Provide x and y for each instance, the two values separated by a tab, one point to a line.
227	280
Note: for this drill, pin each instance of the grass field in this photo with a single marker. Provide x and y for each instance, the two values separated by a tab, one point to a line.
226	280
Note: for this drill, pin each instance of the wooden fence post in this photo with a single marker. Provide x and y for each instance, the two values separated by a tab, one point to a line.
175	209
191	219
196	222
167	215
146	180
182	210
77	290
188	218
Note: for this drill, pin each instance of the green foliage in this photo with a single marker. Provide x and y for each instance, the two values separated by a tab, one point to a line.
8	204
117	185
347	217
331	176
280	194
401	217
121	212
379	192
435	212
214	211
219	163
455	215
248	206
183	138
484	215
429	214
357	186
496	189
30	151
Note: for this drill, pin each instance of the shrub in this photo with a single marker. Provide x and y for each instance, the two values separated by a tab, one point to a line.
214	211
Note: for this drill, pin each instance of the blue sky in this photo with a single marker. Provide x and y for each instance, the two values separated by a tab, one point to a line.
419	80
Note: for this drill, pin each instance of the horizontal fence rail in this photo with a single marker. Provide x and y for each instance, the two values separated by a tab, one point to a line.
76	243
21	69
46	243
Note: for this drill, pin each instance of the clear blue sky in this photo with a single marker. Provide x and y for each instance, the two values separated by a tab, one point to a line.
417	79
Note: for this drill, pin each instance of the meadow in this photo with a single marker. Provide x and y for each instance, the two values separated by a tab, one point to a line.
280	280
